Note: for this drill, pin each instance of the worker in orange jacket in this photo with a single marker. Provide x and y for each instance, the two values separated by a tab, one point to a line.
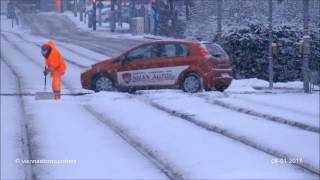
55	65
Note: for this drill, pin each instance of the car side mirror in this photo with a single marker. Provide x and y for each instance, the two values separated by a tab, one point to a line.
124	60
217	55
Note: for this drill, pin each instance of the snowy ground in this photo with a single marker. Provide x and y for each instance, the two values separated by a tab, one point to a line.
158	134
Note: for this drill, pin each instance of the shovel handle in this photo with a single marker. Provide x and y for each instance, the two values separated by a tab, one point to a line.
45	83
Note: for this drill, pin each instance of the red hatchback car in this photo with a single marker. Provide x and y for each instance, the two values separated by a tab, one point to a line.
191	66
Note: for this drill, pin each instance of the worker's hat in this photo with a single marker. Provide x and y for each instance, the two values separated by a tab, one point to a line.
45	47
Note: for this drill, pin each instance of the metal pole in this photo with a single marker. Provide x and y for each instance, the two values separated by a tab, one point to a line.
157	15
44	5
187	4
147	18
99	12
75	8
81	10
219	21
270	60
94	7
113	20
62	6
306	47
319	19
120	12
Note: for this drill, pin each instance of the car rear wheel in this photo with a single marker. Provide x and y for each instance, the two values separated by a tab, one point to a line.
103	83
191	83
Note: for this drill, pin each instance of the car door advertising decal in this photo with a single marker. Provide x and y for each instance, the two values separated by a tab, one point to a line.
154	76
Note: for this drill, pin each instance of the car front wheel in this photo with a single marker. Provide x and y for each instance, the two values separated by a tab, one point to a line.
103	83
191	83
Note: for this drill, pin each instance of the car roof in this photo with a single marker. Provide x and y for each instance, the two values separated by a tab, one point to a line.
163	42
172	41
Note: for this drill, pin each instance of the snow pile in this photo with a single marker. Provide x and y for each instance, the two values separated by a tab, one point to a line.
253	84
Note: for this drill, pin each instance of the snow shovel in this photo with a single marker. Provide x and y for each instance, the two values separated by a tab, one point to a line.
44	95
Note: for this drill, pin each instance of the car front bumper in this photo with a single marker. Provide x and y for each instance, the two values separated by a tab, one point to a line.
85	79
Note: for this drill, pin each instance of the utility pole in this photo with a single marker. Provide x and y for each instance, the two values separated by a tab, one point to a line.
270	60
306	47
219	21
94	20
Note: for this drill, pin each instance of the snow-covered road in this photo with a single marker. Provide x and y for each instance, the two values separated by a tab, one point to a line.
123	136
68	131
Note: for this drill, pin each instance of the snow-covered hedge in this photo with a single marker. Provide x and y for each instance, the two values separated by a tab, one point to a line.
248	48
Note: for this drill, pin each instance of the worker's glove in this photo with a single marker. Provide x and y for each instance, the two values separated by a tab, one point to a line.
45	72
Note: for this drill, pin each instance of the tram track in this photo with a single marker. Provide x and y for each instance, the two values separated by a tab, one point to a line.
28	144
190	118
264	116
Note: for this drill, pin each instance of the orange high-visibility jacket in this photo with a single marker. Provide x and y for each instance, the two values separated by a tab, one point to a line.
55	61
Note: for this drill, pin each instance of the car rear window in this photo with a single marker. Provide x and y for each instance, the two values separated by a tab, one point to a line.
215	50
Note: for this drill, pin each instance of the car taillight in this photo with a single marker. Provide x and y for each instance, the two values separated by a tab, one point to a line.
203	52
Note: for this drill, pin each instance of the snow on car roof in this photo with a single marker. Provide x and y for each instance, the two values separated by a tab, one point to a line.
177	40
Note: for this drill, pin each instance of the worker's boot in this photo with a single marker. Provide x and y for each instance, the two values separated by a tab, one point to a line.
57	95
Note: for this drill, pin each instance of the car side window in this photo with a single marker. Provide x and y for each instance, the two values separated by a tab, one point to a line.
172	50
182	50
167	50
140	53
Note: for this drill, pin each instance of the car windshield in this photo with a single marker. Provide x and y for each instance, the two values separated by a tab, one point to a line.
215	50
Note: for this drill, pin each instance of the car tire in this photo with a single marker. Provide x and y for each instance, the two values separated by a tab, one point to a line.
191	83
103	83
131	91
220	88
